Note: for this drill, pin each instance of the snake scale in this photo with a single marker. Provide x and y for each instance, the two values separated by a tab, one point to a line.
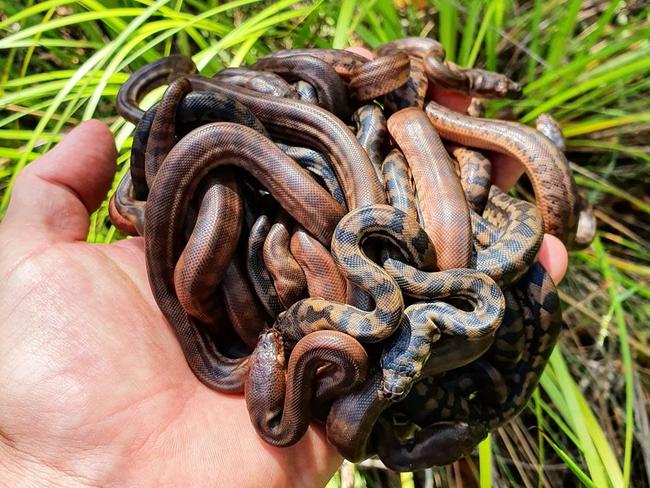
324	236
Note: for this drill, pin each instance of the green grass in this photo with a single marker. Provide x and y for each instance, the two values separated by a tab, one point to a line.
587	63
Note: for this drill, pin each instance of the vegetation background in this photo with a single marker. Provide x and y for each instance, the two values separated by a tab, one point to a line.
584	61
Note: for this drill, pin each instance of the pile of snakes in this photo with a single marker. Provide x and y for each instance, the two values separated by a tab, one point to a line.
324	236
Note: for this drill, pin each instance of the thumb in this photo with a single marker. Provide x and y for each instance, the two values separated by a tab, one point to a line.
53	196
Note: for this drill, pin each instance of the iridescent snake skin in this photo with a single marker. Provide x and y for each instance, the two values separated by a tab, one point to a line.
325	238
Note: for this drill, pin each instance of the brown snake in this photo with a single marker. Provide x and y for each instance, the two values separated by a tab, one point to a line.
545	165
204	149
444	211
316	128
280	414
286	271
330	90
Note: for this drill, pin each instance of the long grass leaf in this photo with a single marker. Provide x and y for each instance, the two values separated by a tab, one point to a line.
573	415
343	22
447	26
633	69
619	315
485	462
600	123
96	58
534	45
469	31
69	20
487	18
567	24
32	10
580	474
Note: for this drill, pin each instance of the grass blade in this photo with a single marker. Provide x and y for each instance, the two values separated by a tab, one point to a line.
343	22
567	25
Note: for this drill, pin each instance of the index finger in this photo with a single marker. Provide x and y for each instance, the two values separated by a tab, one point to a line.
506	170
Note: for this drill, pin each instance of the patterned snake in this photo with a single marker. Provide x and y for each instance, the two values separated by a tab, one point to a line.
369	283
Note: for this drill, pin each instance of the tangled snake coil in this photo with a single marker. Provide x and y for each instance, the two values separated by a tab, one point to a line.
323	236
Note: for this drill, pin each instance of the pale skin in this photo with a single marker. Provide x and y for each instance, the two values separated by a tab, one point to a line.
94	389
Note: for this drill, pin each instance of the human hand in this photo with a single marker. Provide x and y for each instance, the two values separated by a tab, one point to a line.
94	388
506	171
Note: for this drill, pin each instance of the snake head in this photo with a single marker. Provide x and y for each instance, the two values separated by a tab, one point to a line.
488	84
395	385
270	348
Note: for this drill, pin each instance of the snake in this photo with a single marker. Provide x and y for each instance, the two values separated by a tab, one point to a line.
192	158
430	54
353	229
287	274
241	304
201	268
467	422
371	133
125	210
398	183
306	92
258	272
444	435
414	91
192	110
446	216
324	278
379	77
313	127
307	124
266	82
255	280
550	127
320	168
545	165
587	225
330	89
367	79
345	63
211	245
272	84
475	173
441	442
473	82
352	424
146	79
350	421
405	358
278	401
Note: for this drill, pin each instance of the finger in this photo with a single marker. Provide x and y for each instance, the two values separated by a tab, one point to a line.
554	257
506	170
450	99
361	51
53	196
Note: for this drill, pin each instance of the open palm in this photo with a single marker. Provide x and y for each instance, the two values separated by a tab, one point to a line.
94	388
